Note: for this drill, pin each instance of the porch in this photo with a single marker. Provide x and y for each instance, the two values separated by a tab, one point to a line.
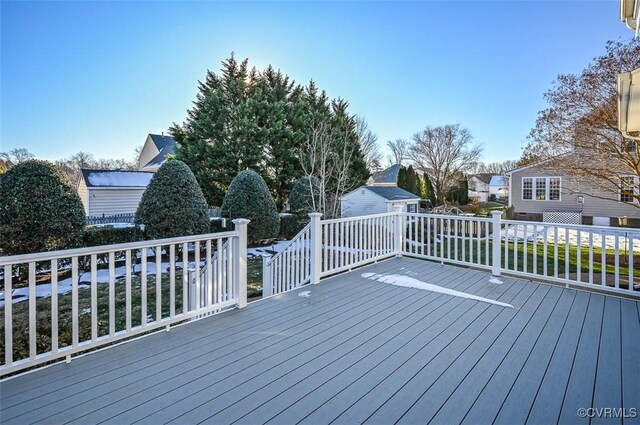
353	349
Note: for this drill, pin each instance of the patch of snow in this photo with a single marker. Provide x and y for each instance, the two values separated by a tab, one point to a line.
304	294
115	225
119	178
410	282
496	281
267	249
538	232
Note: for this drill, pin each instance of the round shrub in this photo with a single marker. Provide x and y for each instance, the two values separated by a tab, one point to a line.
304	195
173	203
248	197
39	210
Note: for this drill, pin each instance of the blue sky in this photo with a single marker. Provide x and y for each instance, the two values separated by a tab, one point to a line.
98	76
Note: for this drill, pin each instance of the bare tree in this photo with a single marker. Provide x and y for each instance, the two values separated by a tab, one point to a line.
495	167
327	156
15	156
368	145
578	133
399	151
442	153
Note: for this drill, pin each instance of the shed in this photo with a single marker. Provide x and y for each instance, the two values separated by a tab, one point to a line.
377	199
111	192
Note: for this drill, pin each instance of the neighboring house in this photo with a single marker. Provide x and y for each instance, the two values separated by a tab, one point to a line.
388	177
154	152
111	192
539	194
377	199
499	187
479	187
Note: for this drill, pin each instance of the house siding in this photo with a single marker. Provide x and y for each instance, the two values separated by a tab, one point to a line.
362	202
592	206
114	201
149	151
83	193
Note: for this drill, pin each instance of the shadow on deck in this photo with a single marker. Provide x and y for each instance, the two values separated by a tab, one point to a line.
358	350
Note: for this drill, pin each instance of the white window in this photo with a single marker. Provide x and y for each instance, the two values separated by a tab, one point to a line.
541	188
411	208
527	188
628	188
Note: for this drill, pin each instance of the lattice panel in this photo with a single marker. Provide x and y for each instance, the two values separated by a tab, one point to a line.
562	217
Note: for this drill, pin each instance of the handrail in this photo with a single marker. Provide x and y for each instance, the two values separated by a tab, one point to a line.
105	249
288	244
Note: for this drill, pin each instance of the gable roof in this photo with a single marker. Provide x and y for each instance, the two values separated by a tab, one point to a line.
483	177
390	193
116	178
390	175
165	145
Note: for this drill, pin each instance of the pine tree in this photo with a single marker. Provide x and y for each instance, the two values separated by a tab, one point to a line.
249	119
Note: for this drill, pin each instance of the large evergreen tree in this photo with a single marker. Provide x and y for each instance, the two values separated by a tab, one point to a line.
243	118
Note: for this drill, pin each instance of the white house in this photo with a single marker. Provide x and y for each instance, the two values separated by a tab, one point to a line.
479	187
111	192
377	199
499	187
154	152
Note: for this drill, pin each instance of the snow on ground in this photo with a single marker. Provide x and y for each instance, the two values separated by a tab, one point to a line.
538	232
43	290
410	282
267	249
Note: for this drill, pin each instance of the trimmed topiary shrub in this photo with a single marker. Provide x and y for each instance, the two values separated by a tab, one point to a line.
303	194
248	197
291	224
109	235
39	210
173	204
217	227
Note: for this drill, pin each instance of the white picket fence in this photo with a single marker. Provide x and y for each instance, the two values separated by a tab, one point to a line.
113	292
591	257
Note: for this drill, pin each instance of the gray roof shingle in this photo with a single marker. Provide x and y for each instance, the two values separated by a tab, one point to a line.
391	193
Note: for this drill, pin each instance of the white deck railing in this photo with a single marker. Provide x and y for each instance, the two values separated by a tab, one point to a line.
592	257
290	268
64	302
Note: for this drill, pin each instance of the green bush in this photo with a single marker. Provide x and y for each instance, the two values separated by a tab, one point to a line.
291	224
303	194
39	210
248	197
217	227
173	204
108	235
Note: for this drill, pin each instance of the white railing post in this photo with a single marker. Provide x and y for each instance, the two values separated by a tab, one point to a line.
266	277
495	260
399	229
240	257
316	247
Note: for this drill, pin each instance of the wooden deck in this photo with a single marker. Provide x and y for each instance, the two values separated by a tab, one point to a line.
357	350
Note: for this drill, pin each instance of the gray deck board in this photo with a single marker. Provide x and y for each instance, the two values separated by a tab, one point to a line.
359	350
412	392
550	394
608	386
630	355
579	392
